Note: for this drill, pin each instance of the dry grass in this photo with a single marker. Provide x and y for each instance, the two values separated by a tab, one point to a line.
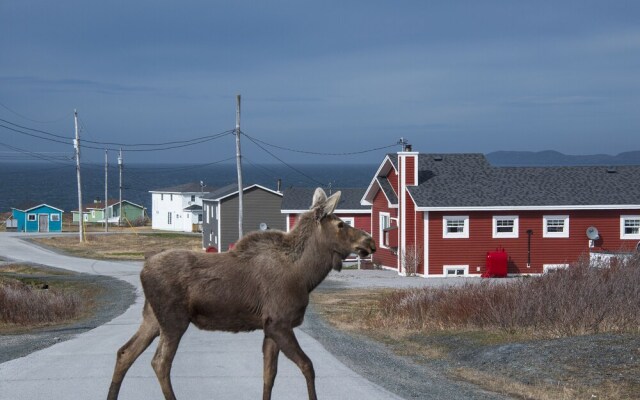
429	324
577	301
121	246
540	390
34	297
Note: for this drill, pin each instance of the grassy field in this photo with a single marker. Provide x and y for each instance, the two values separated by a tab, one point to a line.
125	246
555	315
32	297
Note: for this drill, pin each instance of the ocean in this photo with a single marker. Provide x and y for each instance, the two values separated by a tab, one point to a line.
56	184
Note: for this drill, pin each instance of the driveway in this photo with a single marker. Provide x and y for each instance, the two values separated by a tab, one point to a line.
208	364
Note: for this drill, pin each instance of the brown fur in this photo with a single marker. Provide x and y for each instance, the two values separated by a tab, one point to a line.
264	283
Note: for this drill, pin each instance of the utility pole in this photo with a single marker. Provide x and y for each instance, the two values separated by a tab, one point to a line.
106	192
239	166
76	145
120	189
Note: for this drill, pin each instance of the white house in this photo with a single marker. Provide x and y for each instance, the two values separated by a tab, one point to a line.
178	208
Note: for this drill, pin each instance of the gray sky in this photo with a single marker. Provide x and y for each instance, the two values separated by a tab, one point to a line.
322	76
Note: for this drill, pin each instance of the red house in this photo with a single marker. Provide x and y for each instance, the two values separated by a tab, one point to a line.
296	201
447	214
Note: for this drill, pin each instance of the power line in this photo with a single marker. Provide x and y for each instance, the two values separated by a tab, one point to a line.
34	154
33	120
318	153
283	162
159	146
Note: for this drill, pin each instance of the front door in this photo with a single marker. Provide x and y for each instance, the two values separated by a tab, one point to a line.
43	223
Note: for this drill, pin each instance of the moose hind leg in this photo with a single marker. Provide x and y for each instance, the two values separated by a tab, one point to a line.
162	360
270	350
286	340
131	350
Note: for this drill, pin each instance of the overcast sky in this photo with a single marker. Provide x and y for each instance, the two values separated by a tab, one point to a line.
321	76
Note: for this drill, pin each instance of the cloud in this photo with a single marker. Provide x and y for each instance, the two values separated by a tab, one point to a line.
75	85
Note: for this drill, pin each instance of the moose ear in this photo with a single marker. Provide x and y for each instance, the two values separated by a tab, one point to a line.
331	203
318	197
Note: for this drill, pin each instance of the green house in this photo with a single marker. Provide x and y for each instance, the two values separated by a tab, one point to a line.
94	213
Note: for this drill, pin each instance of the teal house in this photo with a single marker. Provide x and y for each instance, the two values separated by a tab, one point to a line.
38	218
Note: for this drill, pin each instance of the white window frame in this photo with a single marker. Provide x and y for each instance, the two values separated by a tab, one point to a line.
54	217
623	221
447	268
32	217
455	235
500	235
565	231
351	221
382	228
553	267
169	218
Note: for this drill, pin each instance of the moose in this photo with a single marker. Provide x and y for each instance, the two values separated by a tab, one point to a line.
262	283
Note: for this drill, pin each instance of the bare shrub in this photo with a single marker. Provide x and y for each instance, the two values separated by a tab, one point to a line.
579	300
22	304
412	258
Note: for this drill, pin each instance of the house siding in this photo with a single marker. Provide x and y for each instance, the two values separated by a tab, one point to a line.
360	221
264	207
472	251
383	256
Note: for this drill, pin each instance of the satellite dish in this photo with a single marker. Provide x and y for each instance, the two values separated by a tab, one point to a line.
263	226
592	233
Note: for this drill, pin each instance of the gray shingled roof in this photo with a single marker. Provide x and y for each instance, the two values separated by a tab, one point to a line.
468	180
387	188
299	198
223	191
191	187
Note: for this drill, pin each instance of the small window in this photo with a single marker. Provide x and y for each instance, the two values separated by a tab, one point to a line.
555	226
161	196
55	217
455	227
456	270
169	218
630	227
193	197
31	217
546	268
505	226
348	220
385	222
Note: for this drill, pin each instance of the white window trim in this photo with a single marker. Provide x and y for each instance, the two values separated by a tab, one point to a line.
563	234
381	229
553	267
511	235
350	220
32	217
459	235
54	217
446	268
623	235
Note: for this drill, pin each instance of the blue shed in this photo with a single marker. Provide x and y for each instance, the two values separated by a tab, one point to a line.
39	218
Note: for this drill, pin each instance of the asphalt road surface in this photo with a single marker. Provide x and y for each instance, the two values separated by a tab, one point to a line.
208	364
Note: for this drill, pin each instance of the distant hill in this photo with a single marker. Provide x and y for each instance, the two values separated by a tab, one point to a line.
554	158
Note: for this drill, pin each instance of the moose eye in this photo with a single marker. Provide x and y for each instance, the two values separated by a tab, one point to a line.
340	224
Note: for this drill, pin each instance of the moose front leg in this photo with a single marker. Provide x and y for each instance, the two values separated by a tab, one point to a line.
270	350
286	340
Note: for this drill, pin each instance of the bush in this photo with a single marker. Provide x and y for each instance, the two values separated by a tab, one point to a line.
582	299
22	304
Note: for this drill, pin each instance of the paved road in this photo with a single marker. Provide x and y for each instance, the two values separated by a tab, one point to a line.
208	364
